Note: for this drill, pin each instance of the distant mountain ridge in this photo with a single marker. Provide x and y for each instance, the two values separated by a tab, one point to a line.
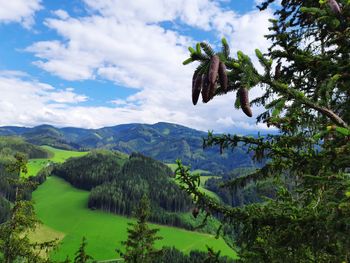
162	141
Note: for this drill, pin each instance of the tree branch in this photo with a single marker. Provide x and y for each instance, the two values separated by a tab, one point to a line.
299	96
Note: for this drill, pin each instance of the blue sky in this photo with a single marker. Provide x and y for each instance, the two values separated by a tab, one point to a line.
94	63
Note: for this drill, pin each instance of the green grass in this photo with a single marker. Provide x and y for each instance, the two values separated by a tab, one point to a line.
200	171
58	156
205	178
172	166
64	209
61	155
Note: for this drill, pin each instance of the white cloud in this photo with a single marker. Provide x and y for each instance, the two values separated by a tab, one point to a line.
25	101
66	96
19	11
123	42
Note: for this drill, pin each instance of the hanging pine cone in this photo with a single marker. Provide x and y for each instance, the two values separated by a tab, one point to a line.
212	89
213	70
195	74
333	4
196	89
244	100
223	76
205	88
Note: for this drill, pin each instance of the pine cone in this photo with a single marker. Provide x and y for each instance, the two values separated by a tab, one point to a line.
223	76
196	89
205	88
213	70
244	100
333	4
212	89
195	74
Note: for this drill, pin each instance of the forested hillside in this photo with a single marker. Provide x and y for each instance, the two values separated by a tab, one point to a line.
9	146
254	192
117	183
96	168
165	142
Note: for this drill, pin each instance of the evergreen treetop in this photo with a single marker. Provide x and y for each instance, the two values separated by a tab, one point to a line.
306	84
139	247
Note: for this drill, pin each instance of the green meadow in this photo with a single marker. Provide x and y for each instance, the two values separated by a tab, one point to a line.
63	208
65	216
58	156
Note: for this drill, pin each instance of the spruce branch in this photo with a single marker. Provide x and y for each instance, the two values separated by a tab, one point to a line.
300	97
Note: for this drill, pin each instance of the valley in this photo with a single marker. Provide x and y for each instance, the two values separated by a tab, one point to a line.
65	216
64	209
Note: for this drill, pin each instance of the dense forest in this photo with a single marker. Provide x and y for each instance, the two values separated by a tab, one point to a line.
96	168
117	183
173	255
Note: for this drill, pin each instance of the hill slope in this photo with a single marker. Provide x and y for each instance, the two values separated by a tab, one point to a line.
165	142
103	231
118	183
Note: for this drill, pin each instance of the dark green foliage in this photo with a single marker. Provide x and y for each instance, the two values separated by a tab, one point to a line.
6	189
141	175
15	245
162	141
173	255
9	173
81	255
252	193
4	209
139	247
94	169
307	98
10	146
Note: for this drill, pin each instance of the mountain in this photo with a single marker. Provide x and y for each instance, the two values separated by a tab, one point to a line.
162	141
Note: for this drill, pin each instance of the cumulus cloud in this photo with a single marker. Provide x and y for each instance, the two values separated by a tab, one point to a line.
124	42
25	101
19	11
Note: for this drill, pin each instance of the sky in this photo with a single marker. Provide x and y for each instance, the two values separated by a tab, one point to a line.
96	63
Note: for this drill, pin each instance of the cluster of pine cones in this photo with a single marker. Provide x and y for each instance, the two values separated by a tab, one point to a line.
206	84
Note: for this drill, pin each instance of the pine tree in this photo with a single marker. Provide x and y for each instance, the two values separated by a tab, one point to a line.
139	247
307	98
81	256
15	244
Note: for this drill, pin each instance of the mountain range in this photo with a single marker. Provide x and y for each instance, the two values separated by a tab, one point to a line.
162	141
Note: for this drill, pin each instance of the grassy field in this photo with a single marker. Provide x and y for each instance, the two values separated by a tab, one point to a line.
58	156
64	209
